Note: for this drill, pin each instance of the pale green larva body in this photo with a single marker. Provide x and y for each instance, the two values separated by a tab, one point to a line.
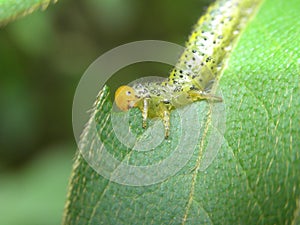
199	66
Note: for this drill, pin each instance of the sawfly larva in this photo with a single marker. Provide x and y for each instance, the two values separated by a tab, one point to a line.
198	67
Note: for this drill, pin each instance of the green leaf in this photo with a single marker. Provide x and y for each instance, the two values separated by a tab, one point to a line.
254	178
13	9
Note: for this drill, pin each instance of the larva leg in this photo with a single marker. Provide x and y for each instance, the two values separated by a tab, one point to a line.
200	95
145	111
166	120
165	108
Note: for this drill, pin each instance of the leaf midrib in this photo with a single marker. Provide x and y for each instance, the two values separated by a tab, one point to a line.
208	121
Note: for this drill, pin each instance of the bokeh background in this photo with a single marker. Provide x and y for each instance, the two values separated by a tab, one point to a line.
42	58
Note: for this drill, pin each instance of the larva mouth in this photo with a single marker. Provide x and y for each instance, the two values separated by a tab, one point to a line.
131	104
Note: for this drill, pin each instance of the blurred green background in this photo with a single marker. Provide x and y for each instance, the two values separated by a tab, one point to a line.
42	58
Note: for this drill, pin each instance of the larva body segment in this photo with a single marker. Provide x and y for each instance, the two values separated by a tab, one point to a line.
198	67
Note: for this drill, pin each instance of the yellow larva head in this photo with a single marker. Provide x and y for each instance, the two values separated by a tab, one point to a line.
125	98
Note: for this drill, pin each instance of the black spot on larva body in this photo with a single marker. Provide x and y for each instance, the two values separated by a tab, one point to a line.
180	71
194	51
200	80
190	66
202	64
205	39
194	58
154	92
214	42
193	77
177	89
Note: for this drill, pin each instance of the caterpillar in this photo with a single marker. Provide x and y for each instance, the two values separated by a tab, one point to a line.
197	69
